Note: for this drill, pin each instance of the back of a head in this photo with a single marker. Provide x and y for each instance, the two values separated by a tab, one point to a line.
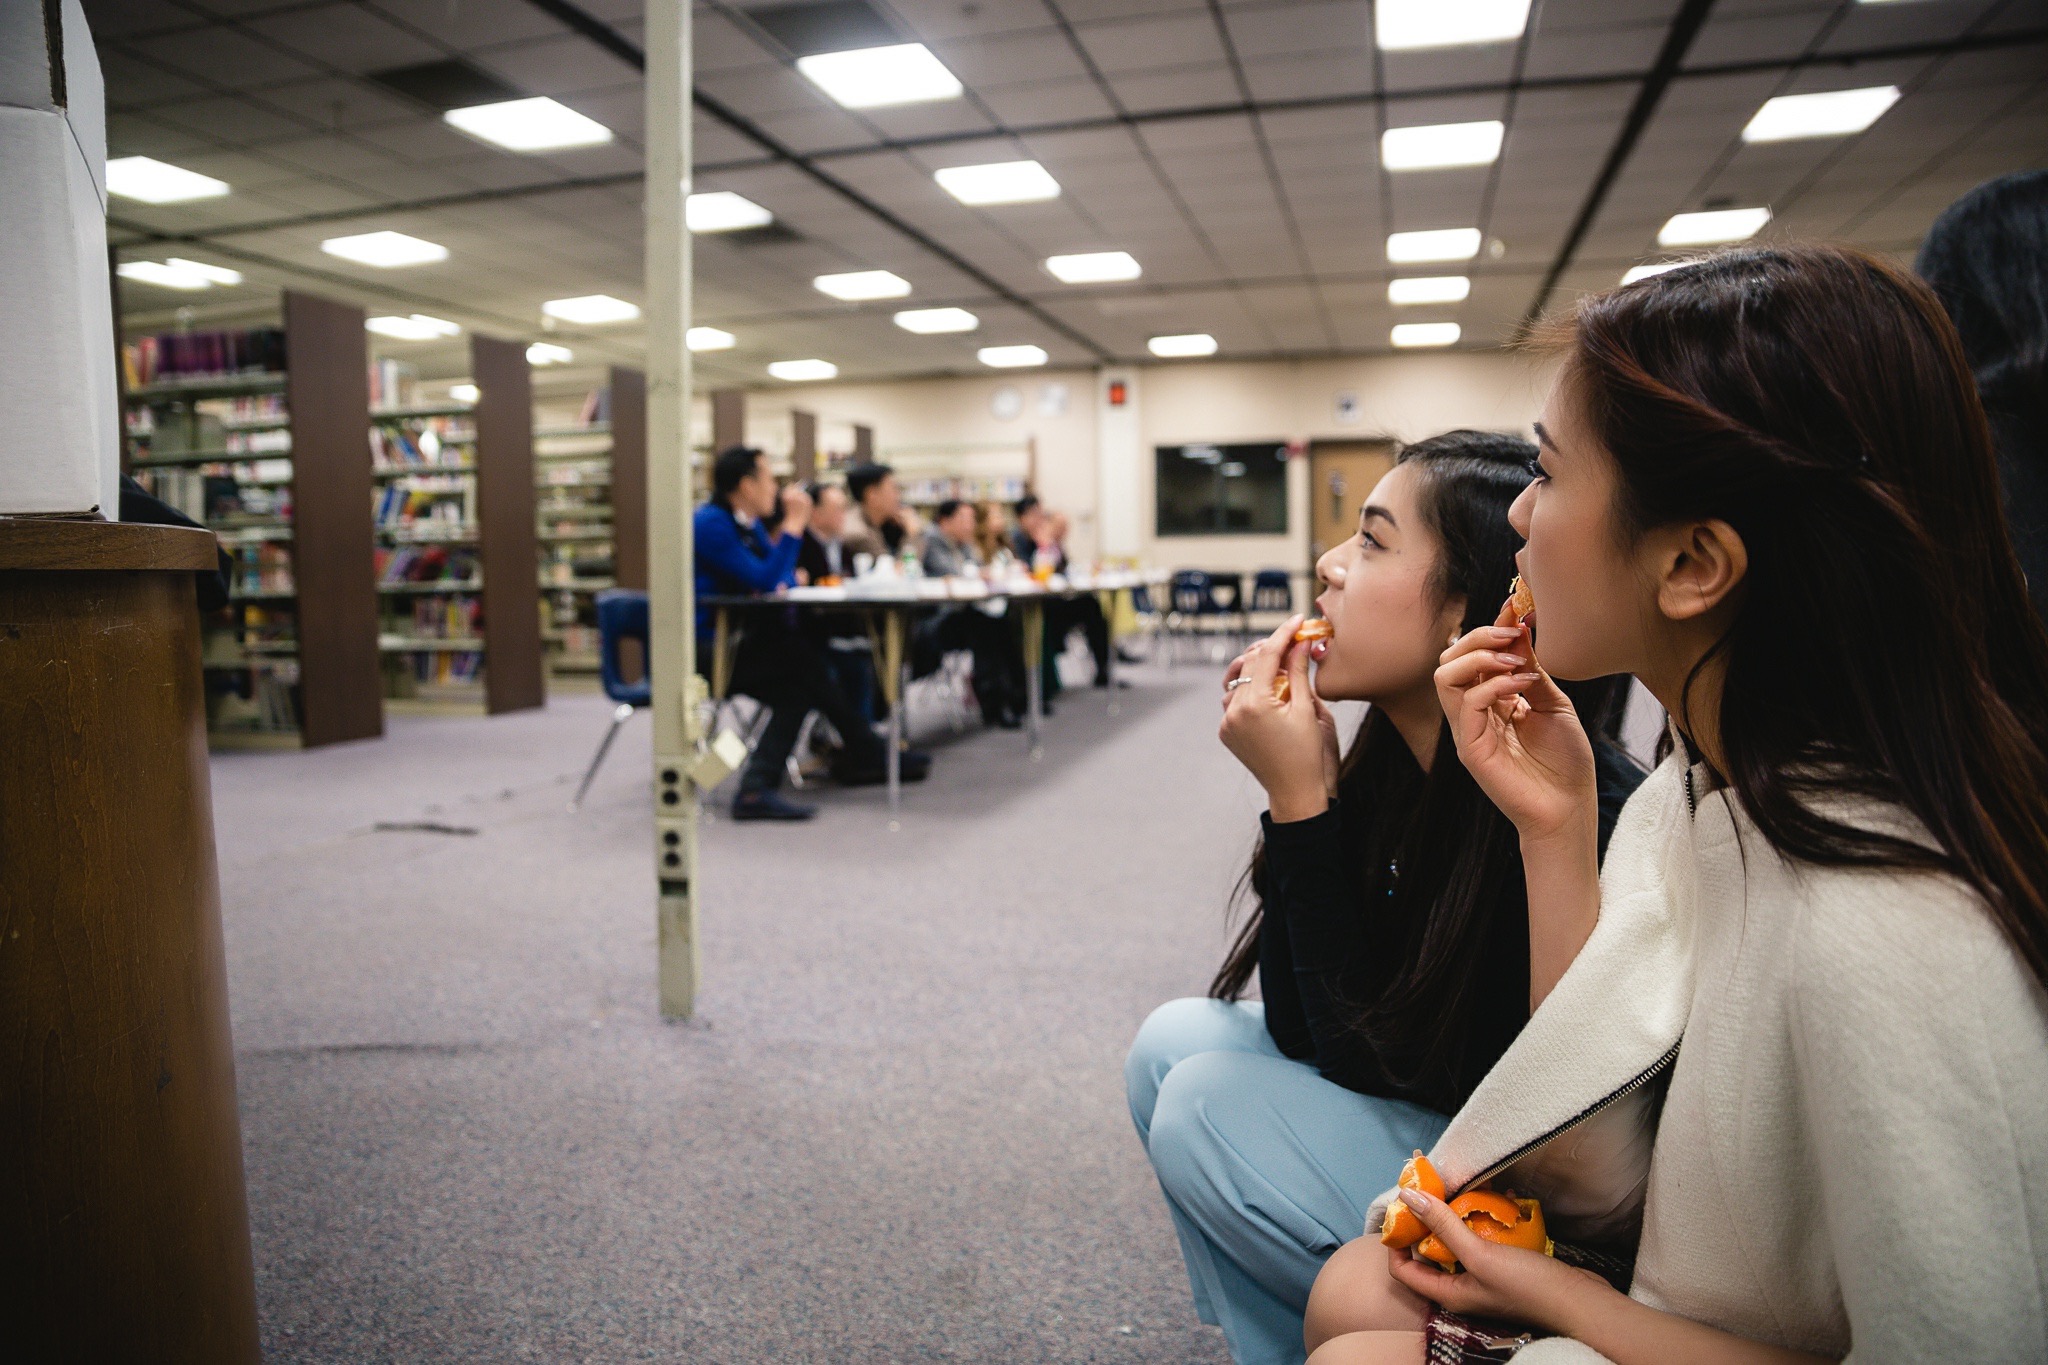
862	477
1984	259
733	464
1025	506
1817	400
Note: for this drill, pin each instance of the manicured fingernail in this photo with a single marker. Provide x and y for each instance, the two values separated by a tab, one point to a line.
1513	660
1415	1199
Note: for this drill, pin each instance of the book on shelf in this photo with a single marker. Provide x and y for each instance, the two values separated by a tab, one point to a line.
402	565
173	357
393	383
421	443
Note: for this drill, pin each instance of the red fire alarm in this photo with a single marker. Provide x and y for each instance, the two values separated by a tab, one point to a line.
1118	392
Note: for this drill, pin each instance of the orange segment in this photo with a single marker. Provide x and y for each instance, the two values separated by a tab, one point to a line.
1401	1227
1494	1217
1314	628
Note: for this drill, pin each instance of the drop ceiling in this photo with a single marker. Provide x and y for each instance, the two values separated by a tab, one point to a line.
1230	145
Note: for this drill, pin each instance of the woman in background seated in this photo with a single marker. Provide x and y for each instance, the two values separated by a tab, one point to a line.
1768	491
1389	934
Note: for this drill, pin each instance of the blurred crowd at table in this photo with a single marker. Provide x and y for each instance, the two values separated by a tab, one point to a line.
755	537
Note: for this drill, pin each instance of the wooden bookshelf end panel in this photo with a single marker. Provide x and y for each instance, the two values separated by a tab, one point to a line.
514	675
327	392
629	478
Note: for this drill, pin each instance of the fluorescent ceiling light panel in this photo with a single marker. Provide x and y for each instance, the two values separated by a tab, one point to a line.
178	273
1440	244
1011	357
875	77
1644	272
724	211
1184	344
999	182
1712	226
1438	145
547	353
798	370
464	393
1430	289
1409	335
159	182
386	250
531	125
590	309
709	339
856	286
929	321
1404	25
1830	113
1094	267
418	327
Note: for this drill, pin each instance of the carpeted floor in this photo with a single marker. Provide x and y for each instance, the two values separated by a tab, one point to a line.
894	1132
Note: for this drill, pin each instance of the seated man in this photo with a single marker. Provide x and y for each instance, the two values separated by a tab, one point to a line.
949	550
1042	533
774	663
824	559
884	523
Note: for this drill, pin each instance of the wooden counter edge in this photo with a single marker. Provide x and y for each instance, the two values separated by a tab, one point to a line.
46	543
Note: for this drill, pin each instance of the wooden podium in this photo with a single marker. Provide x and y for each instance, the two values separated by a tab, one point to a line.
124	1232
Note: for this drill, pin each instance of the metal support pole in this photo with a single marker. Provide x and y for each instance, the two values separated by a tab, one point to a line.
672	653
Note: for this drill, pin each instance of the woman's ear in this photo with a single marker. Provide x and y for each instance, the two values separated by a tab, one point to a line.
1452	617
1699	566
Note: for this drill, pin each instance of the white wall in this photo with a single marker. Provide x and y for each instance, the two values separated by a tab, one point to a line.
1096	463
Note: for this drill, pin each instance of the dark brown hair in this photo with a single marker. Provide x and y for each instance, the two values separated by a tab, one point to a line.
1818	401
1448	935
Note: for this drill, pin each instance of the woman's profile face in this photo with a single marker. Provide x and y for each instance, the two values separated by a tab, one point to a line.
1593	599
1378	596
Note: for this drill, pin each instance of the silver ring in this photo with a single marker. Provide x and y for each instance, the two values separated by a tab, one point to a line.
1235	683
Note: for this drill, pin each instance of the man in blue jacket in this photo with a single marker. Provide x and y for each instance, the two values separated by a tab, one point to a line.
774	663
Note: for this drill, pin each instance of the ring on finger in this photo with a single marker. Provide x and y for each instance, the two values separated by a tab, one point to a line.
1235	683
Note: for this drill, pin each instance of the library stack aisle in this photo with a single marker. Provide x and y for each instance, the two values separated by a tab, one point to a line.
124	1228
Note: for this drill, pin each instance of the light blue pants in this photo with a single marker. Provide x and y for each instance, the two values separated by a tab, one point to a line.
1267	1167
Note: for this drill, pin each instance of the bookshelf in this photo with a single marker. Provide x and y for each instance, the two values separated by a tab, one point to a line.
591	482
250	432
453	519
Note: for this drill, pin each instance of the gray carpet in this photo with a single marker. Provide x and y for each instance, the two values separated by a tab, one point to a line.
895	1131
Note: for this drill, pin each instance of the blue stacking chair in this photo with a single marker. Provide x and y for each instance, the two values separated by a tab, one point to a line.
621	616
1190	597
1273	590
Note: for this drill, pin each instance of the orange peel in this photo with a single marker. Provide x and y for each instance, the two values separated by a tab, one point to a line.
1505	1219
1401	1227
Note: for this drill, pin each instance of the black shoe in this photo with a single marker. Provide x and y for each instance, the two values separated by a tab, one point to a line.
912	767
768	805
1004	720
1124	656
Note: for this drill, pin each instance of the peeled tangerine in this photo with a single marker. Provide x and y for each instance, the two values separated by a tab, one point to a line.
1521	599
1314	628
1401	1227
1497	1218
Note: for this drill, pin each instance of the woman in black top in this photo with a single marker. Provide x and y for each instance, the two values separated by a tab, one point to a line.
1389	926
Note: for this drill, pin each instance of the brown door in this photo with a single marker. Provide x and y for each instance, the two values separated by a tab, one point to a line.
1340	474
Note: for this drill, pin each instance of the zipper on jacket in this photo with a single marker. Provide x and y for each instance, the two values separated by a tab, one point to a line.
1588	1112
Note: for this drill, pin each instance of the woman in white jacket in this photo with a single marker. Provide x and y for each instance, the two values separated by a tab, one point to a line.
1768	492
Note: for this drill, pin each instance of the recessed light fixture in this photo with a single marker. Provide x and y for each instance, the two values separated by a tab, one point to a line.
798	370
178	273
1411	335
998	182
1437	244
1094	267
547	353
590	309
1181	345
709	339
1712	226
530	125
1430	289
386	250
1404	25
1011	357
464	393
1828	113
159	182
928	321
856	286
1438	145
875	77
418	327
1643	272
724	211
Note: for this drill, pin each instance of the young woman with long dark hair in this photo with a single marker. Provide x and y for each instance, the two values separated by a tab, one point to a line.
1768	491
1389	929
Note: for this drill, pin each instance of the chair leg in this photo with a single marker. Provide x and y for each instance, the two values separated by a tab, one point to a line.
620	716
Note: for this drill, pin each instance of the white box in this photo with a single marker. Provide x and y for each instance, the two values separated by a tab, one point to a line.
59	428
